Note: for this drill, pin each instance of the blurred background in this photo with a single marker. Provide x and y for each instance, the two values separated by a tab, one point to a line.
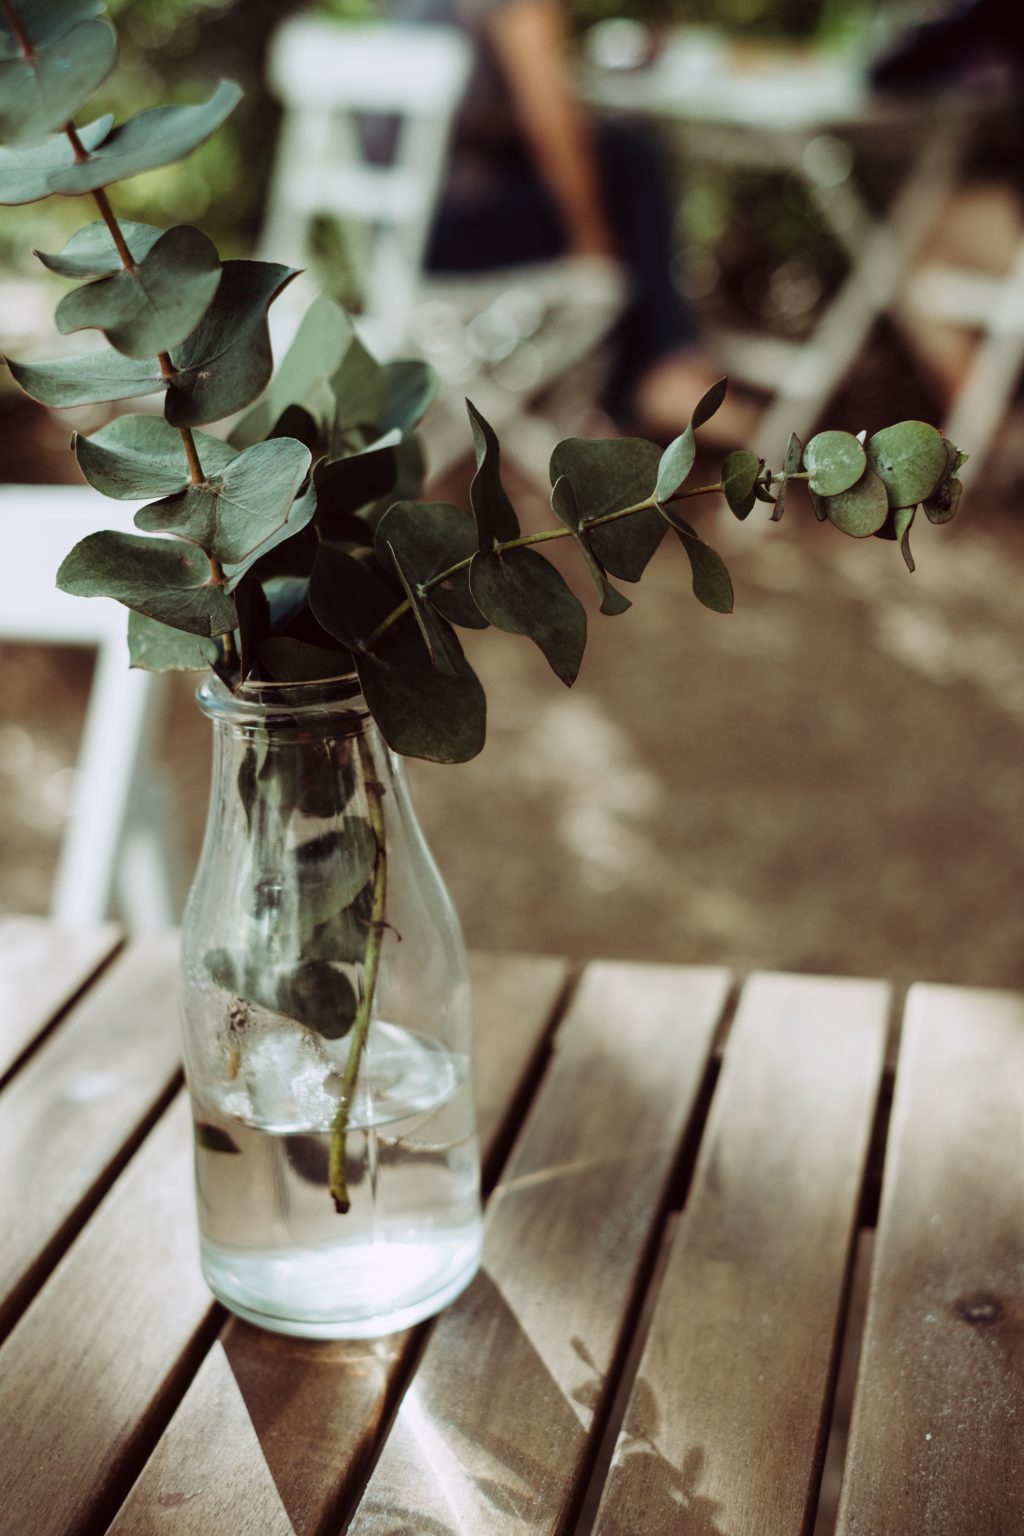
829	778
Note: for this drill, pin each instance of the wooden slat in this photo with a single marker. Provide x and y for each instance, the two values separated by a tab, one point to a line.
935	1446
725	1427
273	1431
88	1090
41	968
85	1367
496	1431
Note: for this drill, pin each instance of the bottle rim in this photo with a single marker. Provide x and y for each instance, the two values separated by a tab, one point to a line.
267	706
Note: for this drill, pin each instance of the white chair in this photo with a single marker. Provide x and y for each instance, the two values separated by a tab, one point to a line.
113	857
505	337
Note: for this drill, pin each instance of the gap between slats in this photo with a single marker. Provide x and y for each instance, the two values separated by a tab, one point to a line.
35	1277
52	1024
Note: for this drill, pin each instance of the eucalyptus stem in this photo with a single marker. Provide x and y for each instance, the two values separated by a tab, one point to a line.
337	1180
21	37
524	540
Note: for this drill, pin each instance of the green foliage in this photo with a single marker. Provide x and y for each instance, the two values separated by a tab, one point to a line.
300	548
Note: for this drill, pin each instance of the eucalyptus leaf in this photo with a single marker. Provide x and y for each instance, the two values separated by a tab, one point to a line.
436	633
739	475
790	465
563	504
410	386
149	308
496	521
157	647
213	1138
836	461
233	513
861	510
346	596
911	459
410	472
420	712
151	139
227	361
429	538
333	868
608	475
133	457
88	378
521	592
252	613
359	391
44	21
285	659
303	377
345	485
297	520
709	403
26	175
942	505
163	578
41	94
319	996
675	465
903	522
91	251
712	585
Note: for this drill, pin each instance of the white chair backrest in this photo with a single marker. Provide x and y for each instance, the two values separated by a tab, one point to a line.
328	76
98	859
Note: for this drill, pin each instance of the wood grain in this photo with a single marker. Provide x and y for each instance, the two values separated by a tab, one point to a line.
935	1447
87	1365
41	968
66	1118
274	1432
497	1428
725	1427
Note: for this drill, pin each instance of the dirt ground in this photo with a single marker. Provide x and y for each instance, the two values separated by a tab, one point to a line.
826	780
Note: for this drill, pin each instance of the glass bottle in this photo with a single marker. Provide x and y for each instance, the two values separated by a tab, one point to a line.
327	1029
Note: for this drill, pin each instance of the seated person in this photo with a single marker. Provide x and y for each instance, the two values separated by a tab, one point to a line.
531	178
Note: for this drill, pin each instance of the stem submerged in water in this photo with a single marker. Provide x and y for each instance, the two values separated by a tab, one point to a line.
337	1180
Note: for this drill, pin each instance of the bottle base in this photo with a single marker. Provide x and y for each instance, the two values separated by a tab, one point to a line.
264	1290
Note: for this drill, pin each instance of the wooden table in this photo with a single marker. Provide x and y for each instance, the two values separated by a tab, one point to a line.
683	1183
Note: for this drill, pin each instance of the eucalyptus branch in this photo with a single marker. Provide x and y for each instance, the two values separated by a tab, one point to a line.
543	536
337	1179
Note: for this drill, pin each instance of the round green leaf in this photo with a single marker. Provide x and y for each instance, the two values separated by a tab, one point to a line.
420	712
158	648
410	386
41	94
88	378
709	403
91	251
712	584
151	308
608	475
911	459
521	592
133	457
836	462
44	21
304	373
154	138
226	361
232	514
862	510
428	538
25	174
163	578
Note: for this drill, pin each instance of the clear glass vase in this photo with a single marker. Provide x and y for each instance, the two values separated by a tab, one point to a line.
327	1030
